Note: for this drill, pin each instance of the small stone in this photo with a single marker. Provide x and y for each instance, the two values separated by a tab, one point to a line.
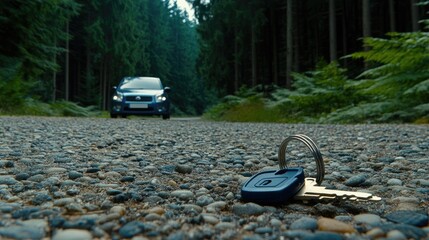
276	223
63	202
152	217
408	230
222	226
263	230
343	218
407	203
332	225
183	194
408	217
73	192
22	232
22	176
370	219
396	235
72	234
304	223
131	229
127	179
247	209
119	210
8	180
113	192
319	235
40	198
184	169
157	210
55	170
216	207
204	200
375	233
356	180
394	182
75	175
191	209
210	219
92	170
230	196
326	210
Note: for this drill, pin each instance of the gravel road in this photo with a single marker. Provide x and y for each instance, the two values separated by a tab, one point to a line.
83	178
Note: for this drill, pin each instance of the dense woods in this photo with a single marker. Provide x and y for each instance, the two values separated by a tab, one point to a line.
294	60
262	42
335	61
78	50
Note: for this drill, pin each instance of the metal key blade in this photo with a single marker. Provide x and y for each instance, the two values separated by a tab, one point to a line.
312	191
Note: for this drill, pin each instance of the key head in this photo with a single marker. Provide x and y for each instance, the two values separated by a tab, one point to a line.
273	187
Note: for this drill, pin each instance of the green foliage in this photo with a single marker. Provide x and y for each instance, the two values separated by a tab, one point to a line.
30	106
12	88
316	93
399	87
70	109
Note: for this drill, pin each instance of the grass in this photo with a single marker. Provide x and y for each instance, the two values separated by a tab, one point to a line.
60	108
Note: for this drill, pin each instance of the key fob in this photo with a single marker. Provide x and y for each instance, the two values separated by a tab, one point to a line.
273	187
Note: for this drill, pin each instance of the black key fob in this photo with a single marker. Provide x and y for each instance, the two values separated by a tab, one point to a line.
273	187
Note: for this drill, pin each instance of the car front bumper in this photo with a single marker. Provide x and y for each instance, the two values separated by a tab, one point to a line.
139	108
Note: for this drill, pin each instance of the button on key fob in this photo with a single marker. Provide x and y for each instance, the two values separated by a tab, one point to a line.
273	187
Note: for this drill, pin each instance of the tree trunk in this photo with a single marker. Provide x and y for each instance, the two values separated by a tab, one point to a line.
289	50
392	16
236	60
67	67
274	47
332	31
414	16
254	72
366	19
54	75
344	28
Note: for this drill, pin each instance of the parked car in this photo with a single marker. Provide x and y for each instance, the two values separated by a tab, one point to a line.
140	96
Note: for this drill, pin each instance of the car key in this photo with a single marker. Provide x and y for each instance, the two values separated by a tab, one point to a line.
273	187
312	191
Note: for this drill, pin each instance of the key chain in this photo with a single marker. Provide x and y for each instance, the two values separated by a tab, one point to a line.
273	187
278	186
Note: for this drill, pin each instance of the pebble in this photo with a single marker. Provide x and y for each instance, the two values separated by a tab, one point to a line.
96	178
332	225
369	219
184	169
304	223
131	229
72	234
355	181
409	217
247	209
394	182
396	235
183	194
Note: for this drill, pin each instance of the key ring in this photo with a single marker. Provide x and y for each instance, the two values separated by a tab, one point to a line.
314	150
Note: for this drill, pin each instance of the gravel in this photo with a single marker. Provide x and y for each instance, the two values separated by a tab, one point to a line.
144	178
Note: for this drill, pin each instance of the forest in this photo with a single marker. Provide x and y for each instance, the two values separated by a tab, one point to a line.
237	60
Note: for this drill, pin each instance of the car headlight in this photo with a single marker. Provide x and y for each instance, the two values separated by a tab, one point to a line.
118	97
160	98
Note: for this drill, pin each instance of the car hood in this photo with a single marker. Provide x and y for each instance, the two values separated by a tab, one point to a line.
140	91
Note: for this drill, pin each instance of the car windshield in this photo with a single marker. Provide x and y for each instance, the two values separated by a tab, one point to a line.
141	83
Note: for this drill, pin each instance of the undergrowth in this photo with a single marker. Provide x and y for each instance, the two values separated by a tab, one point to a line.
59	108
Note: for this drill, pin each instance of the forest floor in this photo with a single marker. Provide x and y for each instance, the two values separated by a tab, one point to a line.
86	178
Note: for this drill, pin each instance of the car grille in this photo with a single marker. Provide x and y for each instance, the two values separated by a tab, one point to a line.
149	109
136	98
